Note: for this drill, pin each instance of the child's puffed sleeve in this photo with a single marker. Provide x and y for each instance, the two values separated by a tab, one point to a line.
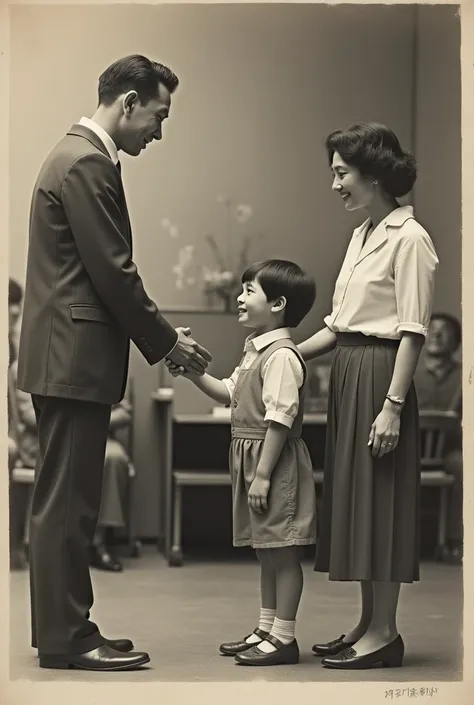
282	379
230	382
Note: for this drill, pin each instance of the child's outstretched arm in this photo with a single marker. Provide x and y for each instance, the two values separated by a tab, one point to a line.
217	389
214	388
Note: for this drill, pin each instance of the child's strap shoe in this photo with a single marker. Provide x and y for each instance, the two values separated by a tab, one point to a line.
236	647
285	654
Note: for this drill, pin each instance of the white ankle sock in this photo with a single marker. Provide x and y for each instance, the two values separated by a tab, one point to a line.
282	630
265	623
267	617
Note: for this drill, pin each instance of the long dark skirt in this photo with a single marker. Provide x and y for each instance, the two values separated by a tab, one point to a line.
370	513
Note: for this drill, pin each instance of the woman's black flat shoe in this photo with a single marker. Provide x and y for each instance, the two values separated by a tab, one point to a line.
232	648
332	647
388	656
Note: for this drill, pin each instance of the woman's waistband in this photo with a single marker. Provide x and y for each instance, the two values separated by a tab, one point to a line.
350	339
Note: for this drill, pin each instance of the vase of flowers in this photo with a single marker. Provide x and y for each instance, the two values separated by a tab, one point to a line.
219	280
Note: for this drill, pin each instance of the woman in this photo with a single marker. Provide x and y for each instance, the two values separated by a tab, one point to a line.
381	311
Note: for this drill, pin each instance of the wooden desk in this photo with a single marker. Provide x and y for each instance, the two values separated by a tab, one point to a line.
173	479
175	475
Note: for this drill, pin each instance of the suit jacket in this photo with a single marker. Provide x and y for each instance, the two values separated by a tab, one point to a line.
84	299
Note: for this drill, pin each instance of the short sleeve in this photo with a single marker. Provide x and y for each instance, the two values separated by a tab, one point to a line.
282	379
230	382
414	271
328	322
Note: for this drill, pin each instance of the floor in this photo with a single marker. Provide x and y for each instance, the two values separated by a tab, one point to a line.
181	615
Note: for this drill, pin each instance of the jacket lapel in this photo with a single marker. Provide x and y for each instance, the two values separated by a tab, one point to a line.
82	131
127	221
90	136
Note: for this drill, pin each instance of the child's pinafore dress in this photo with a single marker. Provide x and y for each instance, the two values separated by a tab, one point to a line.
290	519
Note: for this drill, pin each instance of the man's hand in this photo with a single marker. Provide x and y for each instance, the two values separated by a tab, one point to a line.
189	354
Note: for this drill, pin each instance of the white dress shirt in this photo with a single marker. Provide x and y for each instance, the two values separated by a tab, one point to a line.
282	376
385	286
109	144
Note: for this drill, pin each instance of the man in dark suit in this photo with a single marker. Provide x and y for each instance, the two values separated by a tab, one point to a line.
84	301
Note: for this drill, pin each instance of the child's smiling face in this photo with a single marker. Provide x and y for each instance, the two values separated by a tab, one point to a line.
256	312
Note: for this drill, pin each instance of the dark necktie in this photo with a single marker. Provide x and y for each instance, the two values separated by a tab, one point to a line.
119	169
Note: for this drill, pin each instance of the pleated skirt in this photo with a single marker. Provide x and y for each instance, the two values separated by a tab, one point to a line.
369	526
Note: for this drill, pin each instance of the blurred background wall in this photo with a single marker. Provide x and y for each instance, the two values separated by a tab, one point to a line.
261	86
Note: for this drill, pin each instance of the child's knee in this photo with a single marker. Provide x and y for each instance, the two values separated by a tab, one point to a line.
263	555
285	557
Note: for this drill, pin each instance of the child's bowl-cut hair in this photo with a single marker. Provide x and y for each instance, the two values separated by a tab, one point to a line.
279	277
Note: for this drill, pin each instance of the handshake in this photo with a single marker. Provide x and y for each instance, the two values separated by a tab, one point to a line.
187	357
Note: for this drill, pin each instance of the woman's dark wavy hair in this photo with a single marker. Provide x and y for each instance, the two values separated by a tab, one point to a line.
279	277
375	151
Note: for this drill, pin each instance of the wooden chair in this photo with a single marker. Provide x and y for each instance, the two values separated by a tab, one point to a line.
435	427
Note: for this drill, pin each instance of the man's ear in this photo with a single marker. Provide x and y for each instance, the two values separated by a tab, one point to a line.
129	101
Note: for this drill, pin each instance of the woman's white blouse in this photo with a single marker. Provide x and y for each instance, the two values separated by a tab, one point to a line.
386	286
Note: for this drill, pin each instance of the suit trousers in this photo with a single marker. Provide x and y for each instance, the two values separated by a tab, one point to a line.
72	436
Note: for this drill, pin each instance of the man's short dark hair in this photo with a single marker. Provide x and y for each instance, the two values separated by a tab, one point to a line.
135	73
279	277
453	323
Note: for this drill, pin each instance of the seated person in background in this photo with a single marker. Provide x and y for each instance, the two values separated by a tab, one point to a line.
17	557
116	469
114	488
15	297
438	383
17	494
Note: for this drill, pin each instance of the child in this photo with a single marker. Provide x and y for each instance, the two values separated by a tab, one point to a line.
273	494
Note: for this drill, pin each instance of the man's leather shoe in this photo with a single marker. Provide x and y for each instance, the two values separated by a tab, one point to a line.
390	655
331	648
104	658
285	654
231	648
